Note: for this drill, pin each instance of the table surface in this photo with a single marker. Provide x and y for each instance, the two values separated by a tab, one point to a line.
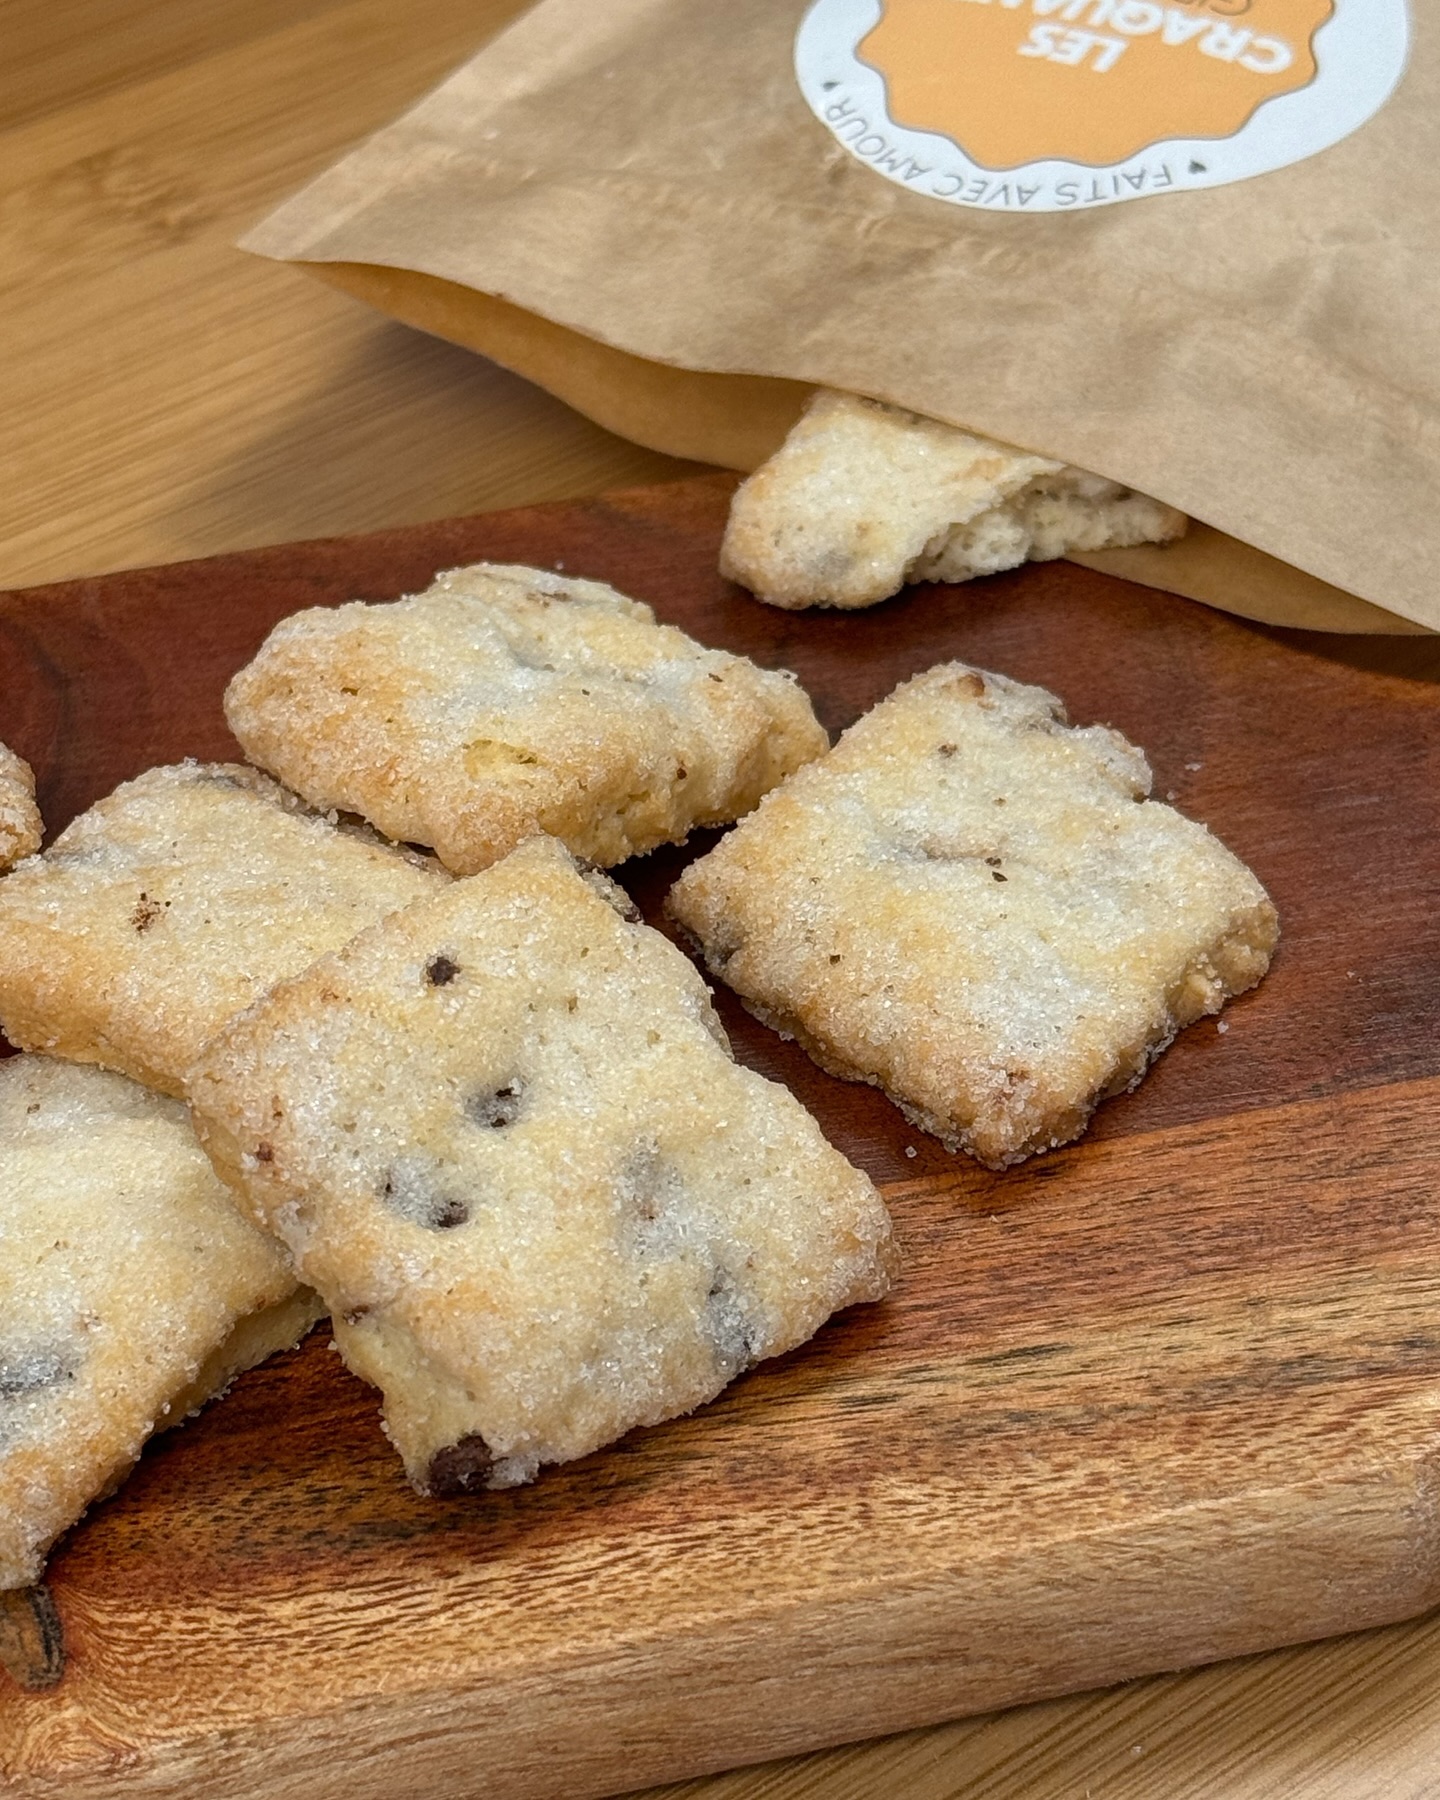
166	397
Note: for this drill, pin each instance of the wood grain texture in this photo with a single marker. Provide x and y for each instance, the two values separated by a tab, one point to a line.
1166	1396
165	395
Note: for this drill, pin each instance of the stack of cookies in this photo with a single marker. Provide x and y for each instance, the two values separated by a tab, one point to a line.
491	1125
461	1098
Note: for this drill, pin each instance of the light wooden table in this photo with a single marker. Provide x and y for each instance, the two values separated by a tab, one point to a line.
166	397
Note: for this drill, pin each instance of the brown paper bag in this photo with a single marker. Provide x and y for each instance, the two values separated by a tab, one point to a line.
681	217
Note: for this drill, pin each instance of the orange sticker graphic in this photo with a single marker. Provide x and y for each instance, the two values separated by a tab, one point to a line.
1091	81
1012	104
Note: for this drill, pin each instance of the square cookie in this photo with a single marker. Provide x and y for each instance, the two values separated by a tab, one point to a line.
503	1135
863	497
131	1291
171	904
20	827
972	904
505	701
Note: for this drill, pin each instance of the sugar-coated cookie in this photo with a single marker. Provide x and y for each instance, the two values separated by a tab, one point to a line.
503	1135
20	825
972	904
171	905
862	498
131	1291
506	701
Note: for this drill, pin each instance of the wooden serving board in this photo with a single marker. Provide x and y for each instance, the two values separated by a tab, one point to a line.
1168	1395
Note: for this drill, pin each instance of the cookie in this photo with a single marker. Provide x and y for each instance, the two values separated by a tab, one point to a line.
503	1135
20	826
505	701
131	1291
862	498
171	905
972	904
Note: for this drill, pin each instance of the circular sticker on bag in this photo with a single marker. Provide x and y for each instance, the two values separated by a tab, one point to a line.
1054	105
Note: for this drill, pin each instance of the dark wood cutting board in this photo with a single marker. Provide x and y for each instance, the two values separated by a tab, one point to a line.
1168	1395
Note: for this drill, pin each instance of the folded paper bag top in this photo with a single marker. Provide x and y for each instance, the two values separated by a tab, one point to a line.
668	214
